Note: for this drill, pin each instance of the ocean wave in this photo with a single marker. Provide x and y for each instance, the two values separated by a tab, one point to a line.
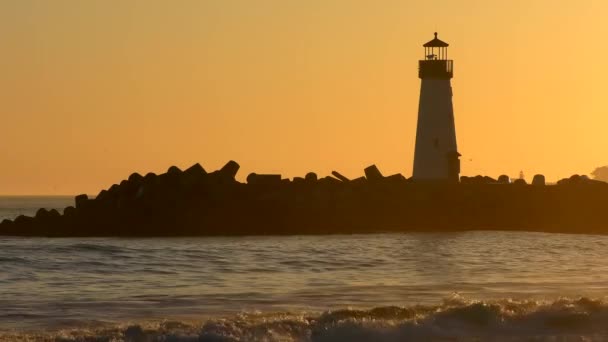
457	319
92	247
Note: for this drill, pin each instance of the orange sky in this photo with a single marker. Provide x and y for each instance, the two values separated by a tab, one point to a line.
94	90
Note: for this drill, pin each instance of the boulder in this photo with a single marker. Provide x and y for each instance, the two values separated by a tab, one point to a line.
113	191
574	179
396	178
298	180
22	225
24	222
196	169
174	170
256	179
538	180
520	181
81	201
47	218
359	181
127	189
373	174
578	179
489	180
193	176
230	169
69	211
6	227
42	214
340	176
311	177
136	178
149	177
479	179
330	181
504	179
102	196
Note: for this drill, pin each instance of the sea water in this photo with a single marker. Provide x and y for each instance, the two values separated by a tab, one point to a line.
480	286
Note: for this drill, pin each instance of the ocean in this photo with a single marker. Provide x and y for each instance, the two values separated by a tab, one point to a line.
469	286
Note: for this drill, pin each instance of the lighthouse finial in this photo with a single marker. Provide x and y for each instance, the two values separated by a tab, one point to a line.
435	34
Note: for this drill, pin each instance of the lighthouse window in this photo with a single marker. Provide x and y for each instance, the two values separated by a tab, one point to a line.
436	143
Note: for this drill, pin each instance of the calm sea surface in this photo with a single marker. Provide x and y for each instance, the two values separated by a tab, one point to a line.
393	287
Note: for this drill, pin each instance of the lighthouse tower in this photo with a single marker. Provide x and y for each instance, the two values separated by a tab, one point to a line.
436	156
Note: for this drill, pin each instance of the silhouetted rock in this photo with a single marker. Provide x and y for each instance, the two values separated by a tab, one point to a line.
113	191
256	179
174	170
572	180
81	201
7	227
479	179
311	177
23	223
331	181
504	179
489	180
396	178
230	169
196	170
102	196
150	176
42	213
577	179
373	174
69	211
359	181
136	178
127	190
538	180
193	177
340	176
580	180
520	181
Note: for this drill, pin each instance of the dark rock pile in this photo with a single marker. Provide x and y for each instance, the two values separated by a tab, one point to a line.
194	202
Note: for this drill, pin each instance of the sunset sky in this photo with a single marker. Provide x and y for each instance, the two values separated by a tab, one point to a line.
94	90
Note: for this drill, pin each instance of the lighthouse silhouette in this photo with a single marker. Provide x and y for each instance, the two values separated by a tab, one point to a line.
436	156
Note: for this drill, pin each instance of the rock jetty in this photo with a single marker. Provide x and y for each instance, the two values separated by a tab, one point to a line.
194	202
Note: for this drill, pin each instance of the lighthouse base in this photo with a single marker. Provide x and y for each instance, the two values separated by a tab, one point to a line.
436	153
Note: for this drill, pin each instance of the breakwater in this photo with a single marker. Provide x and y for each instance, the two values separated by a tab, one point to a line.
194	202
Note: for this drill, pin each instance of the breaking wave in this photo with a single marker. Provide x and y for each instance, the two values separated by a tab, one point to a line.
457	319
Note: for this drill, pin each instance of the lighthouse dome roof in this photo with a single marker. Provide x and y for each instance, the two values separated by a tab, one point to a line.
436	42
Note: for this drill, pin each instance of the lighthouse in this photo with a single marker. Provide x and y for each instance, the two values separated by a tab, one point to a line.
436	156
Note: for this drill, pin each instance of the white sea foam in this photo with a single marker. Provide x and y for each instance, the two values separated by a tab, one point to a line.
581	319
